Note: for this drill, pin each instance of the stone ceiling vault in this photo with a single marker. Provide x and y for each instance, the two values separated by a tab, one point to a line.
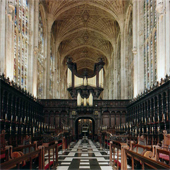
85	29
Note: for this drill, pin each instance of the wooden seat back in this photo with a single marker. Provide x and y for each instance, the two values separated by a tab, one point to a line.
2	142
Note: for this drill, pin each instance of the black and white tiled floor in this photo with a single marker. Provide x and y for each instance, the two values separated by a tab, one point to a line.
84	155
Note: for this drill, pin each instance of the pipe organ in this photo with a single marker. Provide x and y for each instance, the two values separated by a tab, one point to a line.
85	88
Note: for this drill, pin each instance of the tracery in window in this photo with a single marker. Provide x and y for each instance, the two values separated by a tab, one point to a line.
150	43
21	40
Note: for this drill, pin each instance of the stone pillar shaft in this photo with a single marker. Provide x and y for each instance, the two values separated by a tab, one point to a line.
2	36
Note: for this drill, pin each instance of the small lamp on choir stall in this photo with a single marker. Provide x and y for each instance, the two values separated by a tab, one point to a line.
10	129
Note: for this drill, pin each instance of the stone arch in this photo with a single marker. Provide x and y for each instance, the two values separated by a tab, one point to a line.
83	117
128	15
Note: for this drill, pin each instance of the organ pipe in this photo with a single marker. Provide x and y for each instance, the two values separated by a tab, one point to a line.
91	99
101	78
69	78
78	99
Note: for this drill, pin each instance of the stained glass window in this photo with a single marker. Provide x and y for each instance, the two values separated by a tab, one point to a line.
40	63
21	39
150	45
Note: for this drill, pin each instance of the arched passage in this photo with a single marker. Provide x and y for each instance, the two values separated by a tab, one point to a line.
84	126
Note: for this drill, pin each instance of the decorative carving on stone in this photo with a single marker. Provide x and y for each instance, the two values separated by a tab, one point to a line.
36	51
11	8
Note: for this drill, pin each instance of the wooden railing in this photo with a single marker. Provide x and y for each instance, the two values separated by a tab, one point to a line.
21	148
151	162
47	150
17	161
145	147
119	146
50	149
144	161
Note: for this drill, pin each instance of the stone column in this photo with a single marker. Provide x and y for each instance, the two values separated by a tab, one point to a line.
135	48
140	48
115	70
110	80
160	40
9	40
57	75
2	35
34	52
49	25
33	28
123	72
167	37
113	73
54	69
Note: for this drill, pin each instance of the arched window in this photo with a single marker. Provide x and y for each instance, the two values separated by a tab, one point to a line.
21	40
40	63
150	43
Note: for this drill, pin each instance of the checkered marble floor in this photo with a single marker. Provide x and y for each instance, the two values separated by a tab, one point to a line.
84	155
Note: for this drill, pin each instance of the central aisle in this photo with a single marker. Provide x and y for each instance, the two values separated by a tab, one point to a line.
84	155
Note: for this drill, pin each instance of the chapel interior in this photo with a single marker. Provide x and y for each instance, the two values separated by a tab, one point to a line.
85	84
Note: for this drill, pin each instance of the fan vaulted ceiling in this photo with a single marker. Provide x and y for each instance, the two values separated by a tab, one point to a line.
85	29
